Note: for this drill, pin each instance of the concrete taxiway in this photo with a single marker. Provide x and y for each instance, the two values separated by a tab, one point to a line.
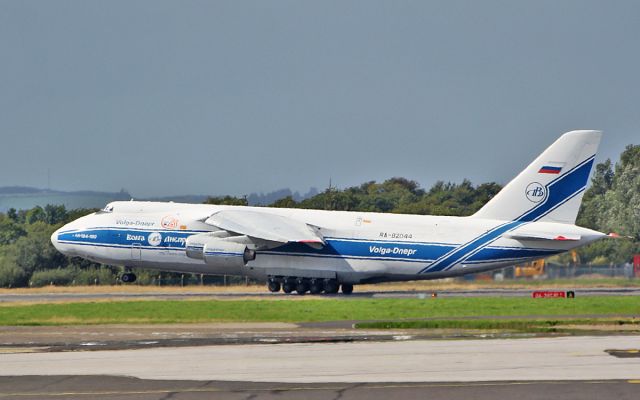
534	359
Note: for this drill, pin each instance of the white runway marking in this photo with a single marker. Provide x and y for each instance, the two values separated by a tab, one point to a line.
564	358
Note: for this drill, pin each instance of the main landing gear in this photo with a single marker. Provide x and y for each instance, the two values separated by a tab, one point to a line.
303	285
273	285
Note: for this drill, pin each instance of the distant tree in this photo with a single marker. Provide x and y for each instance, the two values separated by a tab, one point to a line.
10	231
612	204
13	214
227	200
36	214
35	252
285	202
55	214
72	215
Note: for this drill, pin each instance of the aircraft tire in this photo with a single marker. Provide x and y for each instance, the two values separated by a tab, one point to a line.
128	277
302	286
331	286
273	286
316	286
347	289
288	286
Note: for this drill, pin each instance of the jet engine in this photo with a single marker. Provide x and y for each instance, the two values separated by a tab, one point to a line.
222	254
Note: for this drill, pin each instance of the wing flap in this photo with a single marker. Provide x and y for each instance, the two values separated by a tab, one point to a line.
265	226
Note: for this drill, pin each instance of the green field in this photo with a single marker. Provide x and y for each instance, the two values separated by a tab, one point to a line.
290	310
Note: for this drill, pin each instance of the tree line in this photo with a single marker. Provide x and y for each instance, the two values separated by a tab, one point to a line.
611	204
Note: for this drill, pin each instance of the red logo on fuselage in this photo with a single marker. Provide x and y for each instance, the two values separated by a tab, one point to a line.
169	222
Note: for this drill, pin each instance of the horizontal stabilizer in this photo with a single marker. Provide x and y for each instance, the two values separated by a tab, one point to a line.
542	236
614	235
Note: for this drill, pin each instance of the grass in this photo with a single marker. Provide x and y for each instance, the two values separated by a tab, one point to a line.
429	285
311	310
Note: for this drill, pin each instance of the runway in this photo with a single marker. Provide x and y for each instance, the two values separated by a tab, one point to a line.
316	360
121	388
160	295
534	359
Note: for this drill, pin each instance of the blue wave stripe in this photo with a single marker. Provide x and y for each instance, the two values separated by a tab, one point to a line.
342	248
473	246
559	191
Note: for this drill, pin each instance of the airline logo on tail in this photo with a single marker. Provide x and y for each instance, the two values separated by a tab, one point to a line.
535	192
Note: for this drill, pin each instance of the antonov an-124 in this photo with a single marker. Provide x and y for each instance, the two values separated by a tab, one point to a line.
321	251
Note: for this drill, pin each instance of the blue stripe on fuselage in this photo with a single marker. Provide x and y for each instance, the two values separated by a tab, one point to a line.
126	237
359	248
335	248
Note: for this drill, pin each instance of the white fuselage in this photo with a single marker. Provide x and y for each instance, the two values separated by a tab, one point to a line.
359	247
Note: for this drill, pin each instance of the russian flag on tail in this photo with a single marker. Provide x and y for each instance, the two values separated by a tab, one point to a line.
551	168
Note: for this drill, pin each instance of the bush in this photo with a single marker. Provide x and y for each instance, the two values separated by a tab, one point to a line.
12	276
60	276
91	276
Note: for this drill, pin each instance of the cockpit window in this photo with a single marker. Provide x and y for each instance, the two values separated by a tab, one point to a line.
108	208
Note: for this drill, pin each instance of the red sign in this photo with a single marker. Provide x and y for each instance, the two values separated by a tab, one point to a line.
636	265
541	294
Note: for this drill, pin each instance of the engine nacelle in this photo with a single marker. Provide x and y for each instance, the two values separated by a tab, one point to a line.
194	245
222	254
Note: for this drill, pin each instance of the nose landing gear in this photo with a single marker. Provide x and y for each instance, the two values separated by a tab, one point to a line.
128	277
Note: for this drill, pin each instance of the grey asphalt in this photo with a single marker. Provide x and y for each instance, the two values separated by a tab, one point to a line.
46	297
116	388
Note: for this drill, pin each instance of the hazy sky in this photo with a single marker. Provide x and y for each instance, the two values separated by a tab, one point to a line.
233	97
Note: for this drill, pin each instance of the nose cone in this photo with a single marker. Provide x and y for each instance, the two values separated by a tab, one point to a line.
54	240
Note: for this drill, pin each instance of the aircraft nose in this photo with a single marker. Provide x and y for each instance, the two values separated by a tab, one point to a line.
54	240
59	240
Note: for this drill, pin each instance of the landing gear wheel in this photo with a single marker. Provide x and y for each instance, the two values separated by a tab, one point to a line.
128	277
288	286
316	286
331	286
302	286
273	285
347	289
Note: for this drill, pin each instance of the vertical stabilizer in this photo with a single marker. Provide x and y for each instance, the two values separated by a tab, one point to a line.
552	186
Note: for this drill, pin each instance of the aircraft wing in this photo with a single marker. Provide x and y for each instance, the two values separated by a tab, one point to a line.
266	226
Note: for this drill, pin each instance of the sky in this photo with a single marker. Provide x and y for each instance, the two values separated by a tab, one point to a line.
233	97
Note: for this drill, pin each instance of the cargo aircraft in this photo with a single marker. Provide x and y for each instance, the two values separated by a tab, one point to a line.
321	251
